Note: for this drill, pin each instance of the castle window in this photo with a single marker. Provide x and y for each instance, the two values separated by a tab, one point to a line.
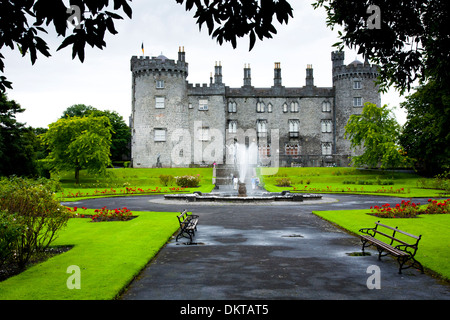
232	126
326	126
326	148
203	104
285	107
261	128
294	128
159	102
326	106
232	106
203	134
264	151
294	106
160	135
292	149
357	102
159	84
269	108
357	84
260	107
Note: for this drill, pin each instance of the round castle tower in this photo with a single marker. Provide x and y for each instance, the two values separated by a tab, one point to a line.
158	95
354	85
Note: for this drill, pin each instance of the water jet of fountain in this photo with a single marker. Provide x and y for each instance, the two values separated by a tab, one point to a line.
246	160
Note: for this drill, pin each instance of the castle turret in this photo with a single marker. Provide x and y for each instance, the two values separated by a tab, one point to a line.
354	85
338	58
159	95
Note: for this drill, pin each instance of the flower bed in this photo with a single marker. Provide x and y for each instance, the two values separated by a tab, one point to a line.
409	209
126	191
350	190
103	214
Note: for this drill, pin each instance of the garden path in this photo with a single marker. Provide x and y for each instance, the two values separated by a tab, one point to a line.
282	251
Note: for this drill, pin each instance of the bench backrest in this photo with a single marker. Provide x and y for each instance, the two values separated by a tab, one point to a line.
393	235
183	216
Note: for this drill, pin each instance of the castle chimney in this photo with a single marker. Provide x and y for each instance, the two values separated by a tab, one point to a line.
181	54
218	73
309	75
277	74
247	76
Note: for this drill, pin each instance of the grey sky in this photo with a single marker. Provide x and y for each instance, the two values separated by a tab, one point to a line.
53	84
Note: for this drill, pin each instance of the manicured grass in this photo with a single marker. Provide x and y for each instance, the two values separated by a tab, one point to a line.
109	255
434	247
142	181
331	180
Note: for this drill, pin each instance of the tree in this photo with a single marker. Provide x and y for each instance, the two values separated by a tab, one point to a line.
377	131
425	135
18	144
79	143
121	134
77	110
239	18
23	21
410	42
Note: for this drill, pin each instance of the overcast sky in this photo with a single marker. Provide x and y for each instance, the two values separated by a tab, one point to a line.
103	81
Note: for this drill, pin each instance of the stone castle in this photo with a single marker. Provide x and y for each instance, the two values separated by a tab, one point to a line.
177	124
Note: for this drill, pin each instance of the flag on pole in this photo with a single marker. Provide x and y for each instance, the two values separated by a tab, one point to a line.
142	47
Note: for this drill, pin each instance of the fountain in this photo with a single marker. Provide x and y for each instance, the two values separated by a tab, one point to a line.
243	167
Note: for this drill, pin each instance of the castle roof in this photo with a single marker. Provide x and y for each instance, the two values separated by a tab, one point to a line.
355	62
162	57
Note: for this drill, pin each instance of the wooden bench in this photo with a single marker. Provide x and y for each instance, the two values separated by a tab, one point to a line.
396	247
188	225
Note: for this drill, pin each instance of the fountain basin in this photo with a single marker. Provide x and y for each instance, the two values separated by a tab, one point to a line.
233	197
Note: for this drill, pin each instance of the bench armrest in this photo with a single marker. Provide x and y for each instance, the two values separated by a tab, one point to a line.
369	231
405	247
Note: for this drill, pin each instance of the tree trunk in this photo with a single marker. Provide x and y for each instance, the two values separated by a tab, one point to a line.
77	175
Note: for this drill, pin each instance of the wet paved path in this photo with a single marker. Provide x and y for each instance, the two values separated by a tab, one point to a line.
279	251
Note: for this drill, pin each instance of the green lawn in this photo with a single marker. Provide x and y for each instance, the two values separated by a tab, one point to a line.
138	181
434	247
109	255
332	180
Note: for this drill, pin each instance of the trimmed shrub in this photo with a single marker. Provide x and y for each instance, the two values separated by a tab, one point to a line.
166	179
37	214
283	182
188	181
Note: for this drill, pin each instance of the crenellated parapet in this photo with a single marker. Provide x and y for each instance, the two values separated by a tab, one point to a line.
160	64
355	69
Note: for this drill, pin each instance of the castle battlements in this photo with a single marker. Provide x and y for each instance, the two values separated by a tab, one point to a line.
160	64
355	69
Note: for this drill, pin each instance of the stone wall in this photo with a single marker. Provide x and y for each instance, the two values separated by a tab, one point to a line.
195	118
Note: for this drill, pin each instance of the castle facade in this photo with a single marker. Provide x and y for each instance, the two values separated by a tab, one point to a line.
177	124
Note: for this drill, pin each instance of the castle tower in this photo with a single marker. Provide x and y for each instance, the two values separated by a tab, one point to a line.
354	85
158	96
